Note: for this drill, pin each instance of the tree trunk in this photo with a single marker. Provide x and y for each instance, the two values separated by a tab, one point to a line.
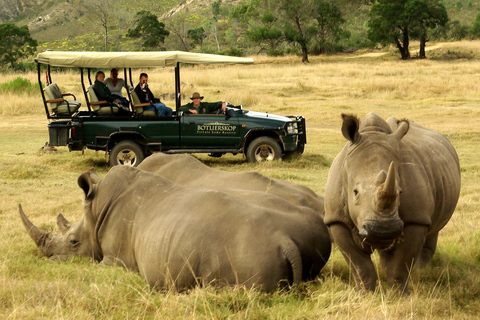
305	54
405	53
106	37
423	41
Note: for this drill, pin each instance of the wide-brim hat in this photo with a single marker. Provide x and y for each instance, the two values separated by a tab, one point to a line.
196	95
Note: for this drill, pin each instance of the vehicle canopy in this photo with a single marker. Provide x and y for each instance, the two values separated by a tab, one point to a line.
126	60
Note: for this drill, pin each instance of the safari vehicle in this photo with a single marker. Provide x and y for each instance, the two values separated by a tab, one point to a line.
129	138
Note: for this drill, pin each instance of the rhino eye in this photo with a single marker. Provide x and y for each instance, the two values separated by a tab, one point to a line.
74	242
355	192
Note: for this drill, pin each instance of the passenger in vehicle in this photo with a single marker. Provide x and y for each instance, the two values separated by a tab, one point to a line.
199	107
146	96
115	84
103	93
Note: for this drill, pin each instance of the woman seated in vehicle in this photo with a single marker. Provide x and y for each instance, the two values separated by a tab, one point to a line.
116	84
103	93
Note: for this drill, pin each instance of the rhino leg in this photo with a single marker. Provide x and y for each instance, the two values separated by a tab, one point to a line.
359	260
428	251
400	261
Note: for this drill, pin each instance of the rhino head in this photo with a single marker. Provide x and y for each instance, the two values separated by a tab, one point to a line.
372	179
72	239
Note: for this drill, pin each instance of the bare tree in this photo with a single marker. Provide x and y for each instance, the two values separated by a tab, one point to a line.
104	13
180	23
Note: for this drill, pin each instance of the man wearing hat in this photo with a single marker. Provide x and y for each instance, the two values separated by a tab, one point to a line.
198	107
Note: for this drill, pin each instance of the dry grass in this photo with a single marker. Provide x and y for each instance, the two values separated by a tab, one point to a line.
439	94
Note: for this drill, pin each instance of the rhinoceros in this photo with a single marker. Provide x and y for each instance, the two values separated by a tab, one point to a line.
189	171
178	237
392	188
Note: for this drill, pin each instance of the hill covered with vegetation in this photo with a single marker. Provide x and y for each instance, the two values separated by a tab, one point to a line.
75	25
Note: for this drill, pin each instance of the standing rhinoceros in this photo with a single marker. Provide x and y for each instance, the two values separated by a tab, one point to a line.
392	188
189	171
180	237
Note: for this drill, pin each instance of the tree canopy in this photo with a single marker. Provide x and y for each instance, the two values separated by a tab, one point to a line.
398	21
16	43
148	28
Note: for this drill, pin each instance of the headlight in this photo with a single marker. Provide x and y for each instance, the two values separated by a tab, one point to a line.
291	128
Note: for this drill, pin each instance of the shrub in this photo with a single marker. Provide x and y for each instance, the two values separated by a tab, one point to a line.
19	85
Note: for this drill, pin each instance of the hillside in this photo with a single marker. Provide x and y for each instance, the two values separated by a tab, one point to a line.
67	24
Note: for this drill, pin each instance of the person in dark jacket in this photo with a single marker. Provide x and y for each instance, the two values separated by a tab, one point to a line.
199	107
146	96
103	93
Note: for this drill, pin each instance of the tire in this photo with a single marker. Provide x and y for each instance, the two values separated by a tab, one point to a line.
263	149
127	153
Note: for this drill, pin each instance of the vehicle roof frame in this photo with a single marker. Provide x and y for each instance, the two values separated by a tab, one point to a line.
126	60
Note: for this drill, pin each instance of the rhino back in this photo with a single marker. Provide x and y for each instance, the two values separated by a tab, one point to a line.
189	171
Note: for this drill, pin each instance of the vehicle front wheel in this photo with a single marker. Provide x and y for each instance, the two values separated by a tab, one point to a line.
263	149
126	153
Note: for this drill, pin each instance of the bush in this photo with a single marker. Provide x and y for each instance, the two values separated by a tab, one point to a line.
19	85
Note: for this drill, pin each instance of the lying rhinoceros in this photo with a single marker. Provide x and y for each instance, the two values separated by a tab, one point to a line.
180	237
189	171
393	187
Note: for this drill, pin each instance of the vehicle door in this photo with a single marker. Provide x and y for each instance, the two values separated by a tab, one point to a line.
210	131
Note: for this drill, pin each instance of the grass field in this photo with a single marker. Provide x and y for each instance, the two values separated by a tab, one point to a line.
442	94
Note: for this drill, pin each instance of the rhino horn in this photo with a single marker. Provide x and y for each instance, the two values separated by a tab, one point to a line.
38	235
390	181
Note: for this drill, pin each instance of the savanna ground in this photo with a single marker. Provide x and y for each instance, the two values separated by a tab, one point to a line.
441	93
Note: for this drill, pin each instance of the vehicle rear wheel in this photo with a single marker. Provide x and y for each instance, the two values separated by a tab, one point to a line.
263	149
126	153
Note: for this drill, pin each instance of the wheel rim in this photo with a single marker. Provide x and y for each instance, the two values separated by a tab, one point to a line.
127	157
264	153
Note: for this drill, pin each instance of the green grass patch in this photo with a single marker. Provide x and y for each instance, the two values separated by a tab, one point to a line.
19	85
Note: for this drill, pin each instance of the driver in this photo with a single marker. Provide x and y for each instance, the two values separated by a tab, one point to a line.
198	107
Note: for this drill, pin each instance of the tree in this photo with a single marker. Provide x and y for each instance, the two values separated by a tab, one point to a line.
267	32
151	30
16	43
299	25
475	30
396	21
180	23
329	20
105	13
197	35
215	11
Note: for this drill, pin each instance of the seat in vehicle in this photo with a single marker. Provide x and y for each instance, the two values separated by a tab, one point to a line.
103	106
138	106
56	102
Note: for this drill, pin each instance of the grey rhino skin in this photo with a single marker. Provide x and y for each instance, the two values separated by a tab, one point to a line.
178	237
189	171
392	188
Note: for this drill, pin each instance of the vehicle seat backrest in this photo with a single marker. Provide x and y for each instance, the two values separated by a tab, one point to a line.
135	98
52	94
93	97
56	91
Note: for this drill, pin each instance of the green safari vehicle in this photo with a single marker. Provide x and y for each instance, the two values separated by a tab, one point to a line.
130	137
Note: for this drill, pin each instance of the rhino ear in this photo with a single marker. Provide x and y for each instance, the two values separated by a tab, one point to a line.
86	183
63	224
402	129
350	127
94	176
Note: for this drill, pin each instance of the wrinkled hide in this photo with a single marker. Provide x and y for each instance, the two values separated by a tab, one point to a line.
392	188
180	237
188	171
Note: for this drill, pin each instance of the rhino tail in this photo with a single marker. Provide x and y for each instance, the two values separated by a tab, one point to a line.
294	258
